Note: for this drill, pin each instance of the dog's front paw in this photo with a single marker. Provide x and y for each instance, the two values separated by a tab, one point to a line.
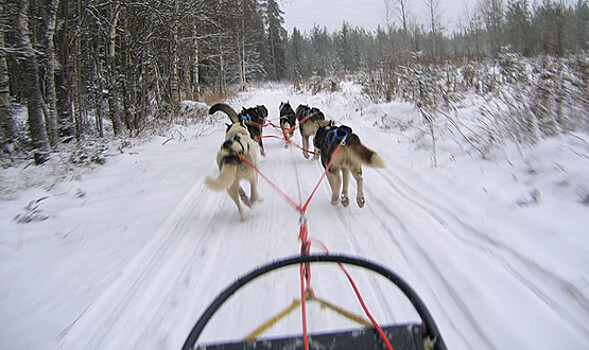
306	155
361	201
345	200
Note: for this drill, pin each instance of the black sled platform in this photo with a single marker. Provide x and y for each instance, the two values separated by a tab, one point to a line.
402	337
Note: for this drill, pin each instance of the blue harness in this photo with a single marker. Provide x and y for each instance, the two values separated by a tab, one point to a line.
339	134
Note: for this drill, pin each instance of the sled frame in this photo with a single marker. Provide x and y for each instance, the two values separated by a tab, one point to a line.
404	337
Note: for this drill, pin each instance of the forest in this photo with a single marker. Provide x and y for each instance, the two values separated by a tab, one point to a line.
86	70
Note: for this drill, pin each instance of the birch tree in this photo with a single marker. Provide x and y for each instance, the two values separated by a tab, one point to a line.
49	14
30	84
114	10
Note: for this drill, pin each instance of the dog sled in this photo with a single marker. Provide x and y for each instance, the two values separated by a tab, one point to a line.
423	335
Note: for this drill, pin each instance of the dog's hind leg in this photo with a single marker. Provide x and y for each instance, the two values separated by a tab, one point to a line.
357	173
305	146
243	196
255	195
235	192
335	183
345	180
262	150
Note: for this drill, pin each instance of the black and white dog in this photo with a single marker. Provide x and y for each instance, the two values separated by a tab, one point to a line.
254	118
310	120
238	145
288	121
349	159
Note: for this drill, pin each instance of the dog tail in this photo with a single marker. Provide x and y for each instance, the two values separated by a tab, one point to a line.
364	154
224	180
225	108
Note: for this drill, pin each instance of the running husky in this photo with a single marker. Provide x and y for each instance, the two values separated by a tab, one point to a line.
238	144
310	119
254	118
288	121
349	159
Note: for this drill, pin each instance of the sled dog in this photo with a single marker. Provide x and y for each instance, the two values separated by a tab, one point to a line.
349	159
310	119
232	168
254	119
288	121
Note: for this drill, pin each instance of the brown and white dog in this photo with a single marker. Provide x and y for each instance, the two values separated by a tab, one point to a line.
352	155
232	168
310	120
288	121
254	119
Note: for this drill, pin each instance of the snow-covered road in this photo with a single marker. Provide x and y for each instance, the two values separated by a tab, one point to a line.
133	253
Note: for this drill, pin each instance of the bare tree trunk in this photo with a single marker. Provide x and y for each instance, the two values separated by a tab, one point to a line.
240	41
145	110
30	85
8	131
77	80
128	76
49	9
113	100
195	63
174	79
433	8
63	84
221	68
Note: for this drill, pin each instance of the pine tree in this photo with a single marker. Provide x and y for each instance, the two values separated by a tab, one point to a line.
276	41
518	26
295	60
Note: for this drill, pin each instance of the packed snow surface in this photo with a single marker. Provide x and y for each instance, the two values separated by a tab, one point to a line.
127	255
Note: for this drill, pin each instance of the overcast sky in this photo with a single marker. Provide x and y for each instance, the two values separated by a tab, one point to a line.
363	13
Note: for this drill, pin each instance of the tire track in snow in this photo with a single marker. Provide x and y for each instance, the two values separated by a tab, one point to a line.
480	240
420	253
351	235
138	276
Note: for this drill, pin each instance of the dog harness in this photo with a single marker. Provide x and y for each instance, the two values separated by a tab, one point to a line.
339	134
227	145
311	112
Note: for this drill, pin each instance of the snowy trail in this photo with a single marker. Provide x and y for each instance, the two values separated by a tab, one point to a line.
404	226
535	277
487	284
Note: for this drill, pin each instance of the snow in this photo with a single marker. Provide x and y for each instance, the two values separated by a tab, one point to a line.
127	255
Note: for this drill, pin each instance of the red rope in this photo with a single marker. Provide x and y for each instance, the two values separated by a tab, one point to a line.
337	150
304	308
365	308
272	184
305	269
289	141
